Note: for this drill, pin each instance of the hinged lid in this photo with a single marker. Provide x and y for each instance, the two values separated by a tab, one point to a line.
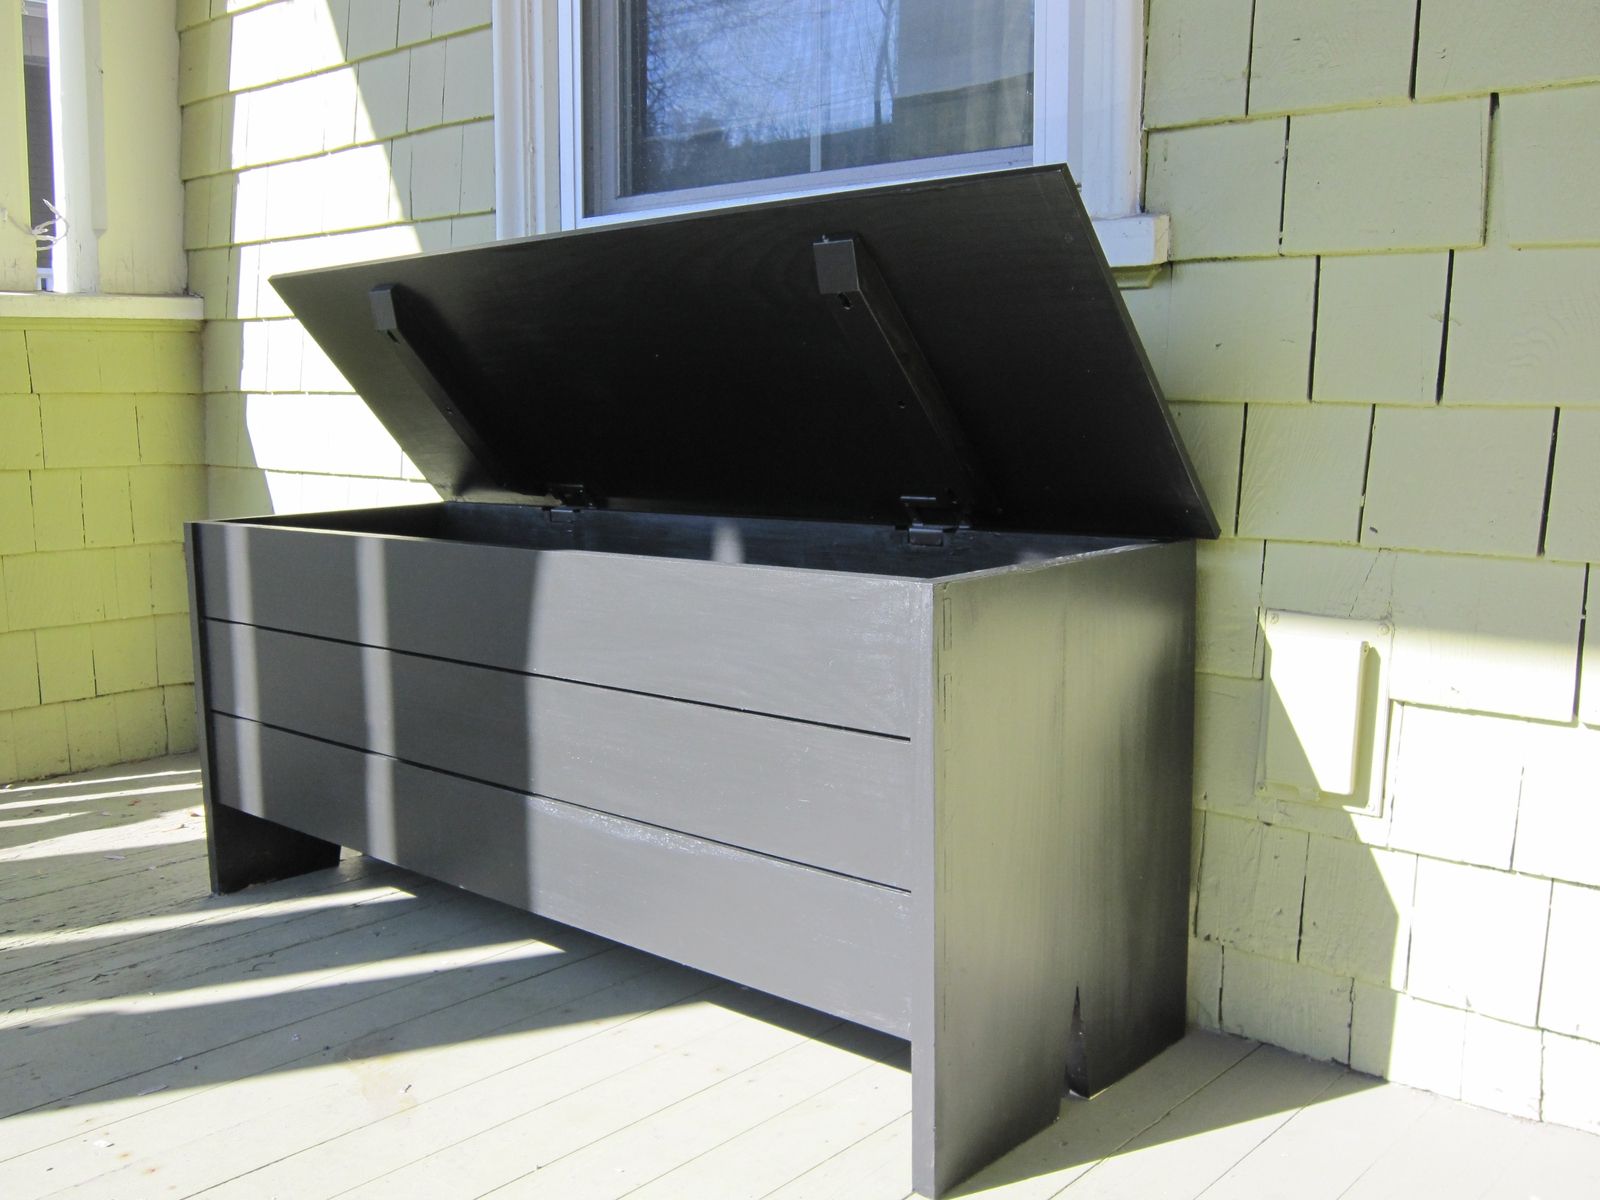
960	342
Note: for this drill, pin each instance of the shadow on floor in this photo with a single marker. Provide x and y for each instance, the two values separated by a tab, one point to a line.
125	977
130	980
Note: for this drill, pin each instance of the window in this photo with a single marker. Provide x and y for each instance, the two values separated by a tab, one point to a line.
607	109
88	76
64	118
36	99
694	101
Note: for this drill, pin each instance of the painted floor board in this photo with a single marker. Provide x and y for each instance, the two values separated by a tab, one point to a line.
624	1162
598	1034
508	1151
1553	1164
40	922
277	1096
878	1167
68	1047
247	1063
41	878
1322	1149
1089	1131
356	1090
363	1032
157	953
1452	1150
1201	1139
60	818
270	1061
768	1155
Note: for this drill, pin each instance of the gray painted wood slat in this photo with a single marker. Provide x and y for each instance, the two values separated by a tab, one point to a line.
814	645
828	797
821	939
241	850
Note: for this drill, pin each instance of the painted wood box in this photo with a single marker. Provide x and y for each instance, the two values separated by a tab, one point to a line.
812	603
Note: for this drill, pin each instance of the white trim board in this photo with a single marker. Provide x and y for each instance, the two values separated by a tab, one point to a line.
84	306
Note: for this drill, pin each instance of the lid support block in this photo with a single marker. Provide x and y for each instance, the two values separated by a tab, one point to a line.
402	318
884	345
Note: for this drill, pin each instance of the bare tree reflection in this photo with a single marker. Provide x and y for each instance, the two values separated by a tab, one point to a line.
715	91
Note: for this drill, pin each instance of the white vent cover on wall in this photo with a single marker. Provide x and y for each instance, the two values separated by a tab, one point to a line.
1324	731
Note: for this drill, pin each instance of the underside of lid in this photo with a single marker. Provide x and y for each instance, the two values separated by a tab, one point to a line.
947	352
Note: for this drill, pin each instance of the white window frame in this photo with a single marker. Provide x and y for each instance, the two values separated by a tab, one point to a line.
78	142
79	168
1088	67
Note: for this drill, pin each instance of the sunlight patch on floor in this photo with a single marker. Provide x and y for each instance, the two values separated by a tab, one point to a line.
91	779
48	799
253	913
401	967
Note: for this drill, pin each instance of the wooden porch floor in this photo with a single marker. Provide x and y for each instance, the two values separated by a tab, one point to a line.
367	1033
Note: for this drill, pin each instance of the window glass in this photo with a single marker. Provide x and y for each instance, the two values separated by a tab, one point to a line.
36	95
695	94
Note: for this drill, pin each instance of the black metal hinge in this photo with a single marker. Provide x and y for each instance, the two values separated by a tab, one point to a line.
887	351
571	499
931	520
424	350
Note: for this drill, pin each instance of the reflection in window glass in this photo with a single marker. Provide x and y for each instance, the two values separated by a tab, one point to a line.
36	95
712	92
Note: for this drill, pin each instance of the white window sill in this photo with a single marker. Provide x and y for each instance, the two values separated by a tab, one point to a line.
1135	247
83	306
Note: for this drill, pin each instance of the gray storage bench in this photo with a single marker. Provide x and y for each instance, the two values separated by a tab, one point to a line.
813	605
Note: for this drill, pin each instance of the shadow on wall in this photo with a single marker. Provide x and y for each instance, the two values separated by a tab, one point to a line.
1319	766
1414	929
368	156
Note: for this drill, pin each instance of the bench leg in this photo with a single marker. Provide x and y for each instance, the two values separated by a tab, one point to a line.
246	850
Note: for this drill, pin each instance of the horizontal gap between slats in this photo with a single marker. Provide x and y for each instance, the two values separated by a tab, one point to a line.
500	787
586	683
